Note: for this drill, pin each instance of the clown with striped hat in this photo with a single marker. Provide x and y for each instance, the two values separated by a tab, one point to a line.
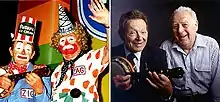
76	78
23	50
31	88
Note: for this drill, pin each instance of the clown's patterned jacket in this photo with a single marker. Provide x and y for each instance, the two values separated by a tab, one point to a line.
23	92
85	78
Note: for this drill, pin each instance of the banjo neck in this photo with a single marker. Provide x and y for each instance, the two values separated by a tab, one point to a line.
42	72
17	77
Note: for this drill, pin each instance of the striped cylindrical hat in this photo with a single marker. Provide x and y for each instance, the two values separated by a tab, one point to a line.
26	29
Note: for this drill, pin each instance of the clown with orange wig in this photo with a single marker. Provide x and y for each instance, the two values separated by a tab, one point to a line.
76	78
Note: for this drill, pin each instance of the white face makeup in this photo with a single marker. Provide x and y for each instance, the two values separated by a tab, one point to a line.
19	47
28	48
69	46
62	41
67	42
22	52
69	39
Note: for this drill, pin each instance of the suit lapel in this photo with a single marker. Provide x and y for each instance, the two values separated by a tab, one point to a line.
145	56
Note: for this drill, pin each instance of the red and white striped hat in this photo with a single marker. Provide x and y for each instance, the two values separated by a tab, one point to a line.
26	30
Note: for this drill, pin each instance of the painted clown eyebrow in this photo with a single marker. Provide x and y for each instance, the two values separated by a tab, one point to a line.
30	43
27	43
20	41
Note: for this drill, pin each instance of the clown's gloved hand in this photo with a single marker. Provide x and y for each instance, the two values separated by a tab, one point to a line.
35	82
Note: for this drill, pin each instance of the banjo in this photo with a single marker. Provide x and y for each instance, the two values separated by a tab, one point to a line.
121	66
41	72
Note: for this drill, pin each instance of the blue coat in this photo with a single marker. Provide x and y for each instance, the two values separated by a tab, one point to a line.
23	92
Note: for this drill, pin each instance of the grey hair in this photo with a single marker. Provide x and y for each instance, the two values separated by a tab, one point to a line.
186	9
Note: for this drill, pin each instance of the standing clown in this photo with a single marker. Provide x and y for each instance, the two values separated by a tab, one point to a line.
76	78
31	88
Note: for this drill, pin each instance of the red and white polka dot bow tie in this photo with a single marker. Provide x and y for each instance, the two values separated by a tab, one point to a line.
20	69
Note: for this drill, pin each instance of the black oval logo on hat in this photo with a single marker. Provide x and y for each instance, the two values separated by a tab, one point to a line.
26	29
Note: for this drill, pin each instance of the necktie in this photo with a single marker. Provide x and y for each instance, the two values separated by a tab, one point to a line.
130	58
67	64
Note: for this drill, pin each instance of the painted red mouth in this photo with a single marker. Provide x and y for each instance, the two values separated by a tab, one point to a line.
68	51
22	57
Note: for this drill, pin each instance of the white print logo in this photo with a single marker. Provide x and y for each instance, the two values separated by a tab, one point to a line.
79	70
27	93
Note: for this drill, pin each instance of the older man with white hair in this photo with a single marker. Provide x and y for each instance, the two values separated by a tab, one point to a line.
197	54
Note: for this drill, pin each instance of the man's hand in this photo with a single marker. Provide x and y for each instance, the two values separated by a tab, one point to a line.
160	82
99	11
101	15
35	82
123	82
5	82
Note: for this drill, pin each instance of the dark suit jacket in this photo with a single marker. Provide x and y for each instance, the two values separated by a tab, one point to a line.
142	91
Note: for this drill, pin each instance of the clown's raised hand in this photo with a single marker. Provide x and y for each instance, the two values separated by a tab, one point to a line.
99	11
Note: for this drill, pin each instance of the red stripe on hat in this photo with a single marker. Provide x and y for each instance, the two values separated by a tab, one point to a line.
31	38
33	21
26	19
23	37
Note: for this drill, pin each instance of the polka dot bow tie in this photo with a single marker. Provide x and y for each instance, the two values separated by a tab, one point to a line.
20	69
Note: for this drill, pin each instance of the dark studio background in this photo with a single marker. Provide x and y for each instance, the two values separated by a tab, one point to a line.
8	15
159	12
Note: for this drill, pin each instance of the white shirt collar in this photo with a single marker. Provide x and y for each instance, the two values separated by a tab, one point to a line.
137	54
137	60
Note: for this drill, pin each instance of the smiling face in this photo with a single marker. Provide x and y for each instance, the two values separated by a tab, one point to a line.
136	35
184	29
22	52
69	47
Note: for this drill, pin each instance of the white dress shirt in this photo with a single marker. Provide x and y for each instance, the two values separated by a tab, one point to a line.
136	60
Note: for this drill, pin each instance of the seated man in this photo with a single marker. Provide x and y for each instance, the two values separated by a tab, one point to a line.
32	88
133	30
197	54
